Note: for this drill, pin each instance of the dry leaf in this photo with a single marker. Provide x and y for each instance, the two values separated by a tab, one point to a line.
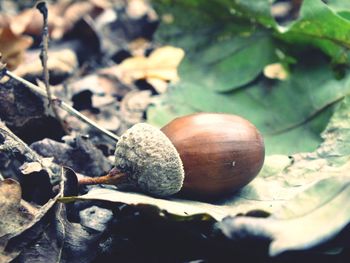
4	20
159	85
15	212
138	46
12	47
60	62
275	71
133	106
62	17
74	12
29	21
30	167
36	166
137	8
161	64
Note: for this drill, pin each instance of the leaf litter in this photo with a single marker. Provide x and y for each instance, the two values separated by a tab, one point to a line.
287	205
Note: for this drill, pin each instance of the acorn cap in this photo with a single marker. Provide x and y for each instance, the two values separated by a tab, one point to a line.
150	160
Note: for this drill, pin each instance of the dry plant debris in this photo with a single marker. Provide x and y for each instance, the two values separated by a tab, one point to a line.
284	67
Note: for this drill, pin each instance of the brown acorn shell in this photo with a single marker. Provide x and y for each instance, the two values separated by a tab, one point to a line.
220	153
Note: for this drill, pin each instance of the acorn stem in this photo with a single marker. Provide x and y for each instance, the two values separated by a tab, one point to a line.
114	177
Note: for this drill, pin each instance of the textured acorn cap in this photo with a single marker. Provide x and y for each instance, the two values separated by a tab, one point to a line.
150	160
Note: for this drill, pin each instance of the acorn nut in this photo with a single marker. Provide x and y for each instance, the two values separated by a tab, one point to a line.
203	155
150	160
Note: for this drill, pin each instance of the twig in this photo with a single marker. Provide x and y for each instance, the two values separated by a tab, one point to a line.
41	6
114	177
62	105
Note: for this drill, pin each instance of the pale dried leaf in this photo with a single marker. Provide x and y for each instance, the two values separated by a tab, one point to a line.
137	8
161	64
28	21
159	85
60	62
12	47
15	212
275	71
30	167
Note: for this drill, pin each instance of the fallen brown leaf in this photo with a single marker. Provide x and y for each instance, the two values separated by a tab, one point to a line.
15	212
62	17
161	64
133	106
61	62
12	47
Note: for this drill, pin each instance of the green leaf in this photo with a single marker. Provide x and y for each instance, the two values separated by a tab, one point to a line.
224	51
286	112
235	61
339	4
229	43
320	26
341	7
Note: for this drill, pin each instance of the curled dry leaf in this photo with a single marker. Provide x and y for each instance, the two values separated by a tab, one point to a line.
61	240
161	64
15	212
12	47
31	167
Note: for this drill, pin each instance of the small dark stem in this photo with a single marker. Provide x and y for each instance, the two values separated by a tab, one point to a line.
41	6
114	177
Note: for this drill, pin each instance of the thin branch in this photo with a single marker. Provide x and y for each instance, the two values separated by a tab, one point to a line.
41	6
63	105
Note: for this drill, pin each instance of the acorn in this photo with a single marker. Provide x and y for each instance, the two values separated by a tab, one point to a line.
203	154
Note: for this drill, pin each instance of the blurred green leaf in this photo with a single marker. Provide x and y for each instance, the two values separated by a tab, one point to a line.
234	62
319	25
290	114
341	7
229	43
224	51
